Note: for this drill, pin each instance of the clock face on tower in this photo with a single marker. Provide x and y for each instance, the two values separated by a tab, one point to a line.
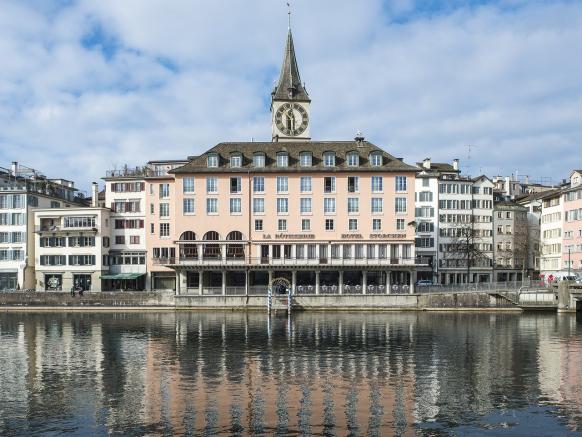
291	119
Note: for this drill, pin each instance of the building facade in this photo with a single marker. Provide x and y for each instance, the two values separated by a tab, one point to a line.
22	191
320	216
72	248
572	250
511	240
551	231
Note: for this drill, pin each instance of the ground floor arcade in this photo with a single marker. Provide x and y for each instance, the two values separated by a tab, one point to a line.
331	281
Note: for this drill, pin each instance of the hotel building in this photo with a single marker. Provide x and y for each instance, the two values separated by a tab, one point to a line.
322	216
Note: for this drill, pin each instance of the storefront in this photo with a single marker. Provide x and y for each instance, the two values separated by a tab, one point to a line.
124	282
8	281
53	282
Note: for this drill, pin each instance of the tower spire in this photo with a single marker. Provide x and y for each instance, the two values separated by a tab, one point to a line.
289	85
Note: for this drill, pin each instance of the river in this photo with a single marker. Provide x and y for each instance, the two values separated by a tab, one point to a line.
234	373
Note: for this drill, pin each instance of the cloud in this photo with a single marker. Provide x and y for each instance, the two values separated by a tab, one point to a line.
91	85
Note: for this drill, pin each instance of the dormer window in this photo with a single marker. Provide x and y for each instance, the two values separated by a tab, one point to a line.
236	160
329	159
305	159
375	159
282	159
212	160
353	159
259	160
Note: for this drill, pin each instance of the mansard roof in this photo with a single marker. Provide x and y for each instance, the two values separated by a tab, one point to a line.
289	85
294	149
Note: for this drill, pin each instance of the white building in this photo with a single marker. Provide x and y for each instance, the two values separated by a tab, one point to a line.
551	229
125	195
72	248
23	190
510	234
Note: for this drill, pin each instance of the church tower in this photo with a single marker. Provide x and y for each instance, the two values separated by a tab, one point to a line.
290	101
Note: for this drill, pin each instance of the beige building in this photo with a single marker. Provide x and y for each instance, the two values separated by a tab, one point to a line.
511	241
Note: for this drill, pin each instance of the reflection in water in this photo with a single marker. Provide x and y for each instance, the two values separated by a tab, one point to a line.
315	373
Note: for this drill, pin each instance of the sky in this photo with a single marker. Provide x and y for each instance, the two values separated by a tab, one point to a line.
91	85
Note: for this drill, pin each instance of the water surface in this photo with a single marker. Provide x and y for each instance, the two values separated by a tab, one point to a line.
340	374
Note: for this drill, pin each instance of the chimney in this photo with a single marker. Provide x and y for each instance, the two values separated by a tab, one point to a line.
359	138
400	159
94	194
456	164
426	163
14	168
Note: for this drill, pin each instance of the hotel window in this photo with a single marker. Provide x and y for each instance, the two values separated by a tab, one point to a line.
282	159
152	228
401	184
282	184
259	205
258	225
399	224
211	185
353	205
377	204
188	185
335	251
235	185
259	160
353	184
305	205
164	229
188	206
329	224
353	159
353	224
400	205
300	251
376	224
305	159
211	206
375	159
152	209
235	206
311	251
212	160
164	209
377	184
306	225
258	184
382	251
329	184
236	160
282	225
164	191
329	159
371	251
306	184
282	205
359	251
329	205
347	251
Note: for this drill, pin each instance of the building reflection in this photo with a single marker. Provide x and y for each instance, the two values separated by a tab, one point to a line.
313	373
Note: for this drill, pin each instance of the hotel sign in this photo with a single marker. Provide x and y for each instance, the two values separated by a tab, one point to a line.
386	236
290	236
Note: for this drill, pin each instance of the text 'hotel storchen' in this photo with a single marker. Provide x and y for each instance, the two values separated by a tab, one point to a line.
326	216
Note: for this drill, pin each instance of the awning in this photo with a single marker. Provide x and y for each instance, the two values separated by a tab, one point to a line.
122	276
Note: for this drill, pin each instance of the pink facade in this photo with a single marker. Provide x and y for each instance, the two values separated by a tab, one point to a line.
572	232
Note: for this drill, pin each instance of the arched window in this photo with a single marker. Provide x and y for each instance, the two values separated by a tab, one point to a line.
211	250
235	250
305	159
187	250
282	159
212	160
259	159
236	160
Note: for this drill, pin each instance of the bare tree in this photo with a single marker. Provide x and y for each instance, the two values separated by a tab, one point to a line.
466	246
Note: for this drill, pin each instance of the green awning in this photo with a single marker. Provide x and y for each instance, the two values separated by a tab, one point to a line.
122	276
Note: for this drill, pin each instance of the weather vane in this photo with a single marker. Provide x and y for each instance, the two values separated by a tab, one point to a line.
289	13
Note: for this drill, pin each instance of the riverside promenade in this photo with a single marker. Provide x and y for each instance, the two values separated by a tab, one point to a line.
492	299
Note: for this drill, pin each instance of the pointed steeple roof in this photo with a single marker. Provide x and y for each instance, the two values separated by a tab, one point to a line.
289	85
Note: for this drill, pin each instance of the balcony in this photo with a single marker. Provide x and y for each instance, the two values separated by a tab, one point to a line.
216	261
57	228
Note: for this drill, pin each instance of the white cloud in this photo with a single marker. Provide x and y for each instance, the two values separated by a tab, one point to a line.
178	77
